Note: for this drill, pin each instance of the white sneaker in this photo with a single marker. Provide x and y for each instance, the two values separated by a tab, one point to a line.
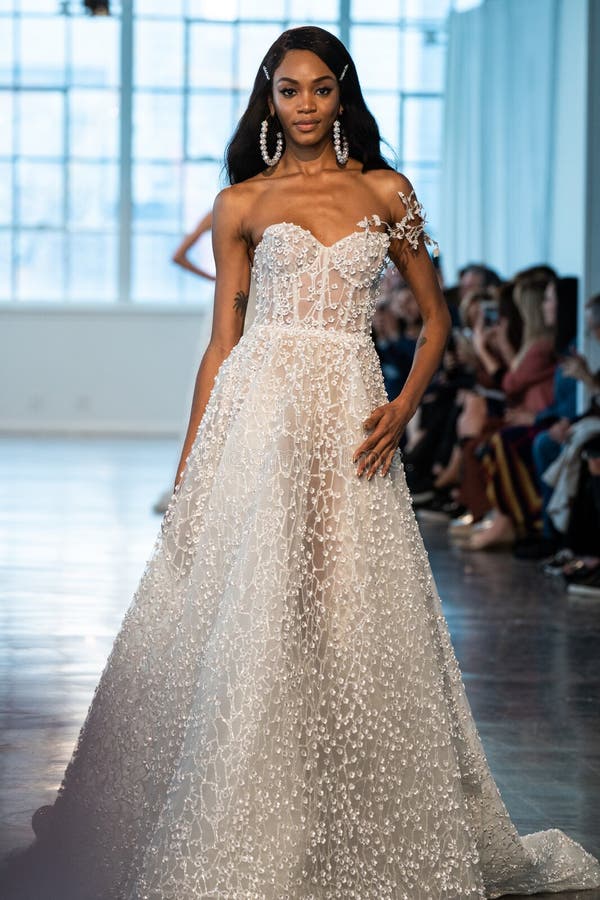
461	526
496	533
487	521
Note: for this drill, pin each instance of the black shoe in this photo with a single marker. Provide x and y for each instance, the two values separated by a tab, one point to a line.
436	506
580	572
454	509
417	482
556	563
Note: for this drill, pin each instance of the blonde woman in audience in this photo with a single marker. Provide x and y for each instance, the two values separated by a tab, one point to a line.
529	388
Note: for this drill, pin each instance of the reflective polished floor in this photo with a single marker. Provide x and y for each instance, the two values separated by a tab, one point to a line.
76	528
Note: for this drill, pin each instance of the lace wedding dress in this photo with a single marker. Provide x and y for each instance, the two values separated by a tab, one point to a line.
282	716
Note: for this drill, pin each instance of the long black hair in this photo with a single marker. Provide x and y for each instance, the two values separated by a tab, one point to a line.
242	156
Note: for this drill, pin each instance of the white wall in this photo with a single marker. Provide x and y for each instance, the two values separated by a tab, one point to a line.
132	370
102	370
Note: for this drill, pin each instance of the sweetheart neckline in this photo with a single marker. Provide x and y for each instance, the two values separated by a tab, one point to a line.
314	237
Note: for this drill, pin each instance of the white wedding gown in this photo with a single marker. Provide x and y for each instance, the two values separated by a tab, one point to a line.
282	716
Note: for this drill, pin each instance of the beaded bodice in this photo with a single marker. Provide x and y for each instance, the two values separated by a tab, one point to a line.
303	282
300	281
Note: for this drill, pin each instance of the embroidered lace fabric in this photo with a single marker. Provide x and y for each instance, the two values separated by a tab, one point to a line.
282	716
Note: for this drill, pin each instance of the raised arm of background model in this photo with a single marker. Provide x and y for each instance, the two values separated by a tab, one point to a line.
231	297
180	255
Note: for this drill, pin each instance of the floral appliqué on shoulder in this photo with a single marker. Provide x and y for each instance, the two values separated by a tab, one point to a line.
411	227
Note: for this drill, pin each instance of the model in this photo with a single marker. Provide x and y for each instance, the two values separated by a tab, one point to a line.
282	716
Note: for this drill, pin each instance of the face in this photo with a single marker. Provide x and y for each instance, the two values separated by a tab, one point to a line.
404	305
470	281
306	98
549	304
472	314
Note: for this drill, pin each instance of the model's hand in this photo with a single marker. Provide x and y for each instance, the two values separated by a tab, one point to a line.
386	424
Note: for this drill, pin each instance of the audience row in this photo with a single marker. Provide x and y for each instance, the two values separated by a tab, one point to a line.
500	443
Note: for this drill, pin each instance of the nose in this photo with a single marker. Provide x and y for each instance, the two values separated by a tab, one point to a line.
306	102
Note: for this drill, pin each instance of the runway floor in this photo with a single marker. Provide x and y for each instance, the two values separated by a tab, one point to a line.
76	528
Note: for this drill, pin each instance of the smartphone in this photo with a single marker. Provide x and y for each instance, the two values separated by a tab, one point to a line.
491	314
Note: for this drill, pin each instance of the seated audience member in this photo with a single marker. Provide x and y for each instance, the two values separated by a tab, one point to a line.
386	329
573	505
433	462
435	435
529	388
496	338
554	423
476	277
477	399
407	309
396	326
583	574
471	278
564	528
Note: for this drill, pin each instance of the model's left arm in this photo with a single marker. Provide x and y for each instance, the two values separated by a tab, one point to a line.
408	250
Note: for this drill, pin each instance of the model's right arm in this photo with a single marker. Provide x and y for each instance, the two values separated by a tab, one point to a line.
231	297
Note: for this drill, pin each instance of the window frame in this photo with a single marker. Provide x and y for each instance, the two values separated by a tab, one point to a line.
125	230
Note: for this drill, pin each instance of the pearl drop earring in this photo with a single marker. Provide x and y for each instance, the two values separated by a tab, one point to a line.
340	143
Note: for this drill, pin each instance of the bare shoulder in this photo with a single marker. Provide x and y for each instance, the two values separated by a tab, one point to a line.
229	205
388	184
234	204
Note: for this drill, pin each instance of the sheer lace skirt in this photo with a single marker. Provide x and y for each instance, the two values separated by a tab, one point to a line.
282	715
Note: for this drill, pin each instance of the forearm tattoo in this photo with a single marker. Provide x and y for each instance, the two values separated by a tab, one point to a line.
241	302
422	340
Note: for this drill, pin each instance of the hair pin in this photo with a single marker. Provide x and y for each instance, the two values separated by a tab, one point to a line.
266	71
344	70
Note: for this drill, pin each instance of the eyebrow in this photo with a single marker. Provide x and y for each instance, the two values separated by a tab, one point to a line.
315	80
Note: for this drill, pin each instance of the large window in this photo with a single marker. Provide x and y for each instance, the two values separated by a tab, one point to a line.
59	154
112	130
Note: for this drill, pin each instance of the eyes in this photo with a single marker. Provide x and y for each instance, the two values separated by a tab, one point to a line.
289	91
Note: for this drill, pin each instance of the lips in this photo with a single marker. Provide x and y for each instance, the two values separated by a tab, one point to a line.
306	125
